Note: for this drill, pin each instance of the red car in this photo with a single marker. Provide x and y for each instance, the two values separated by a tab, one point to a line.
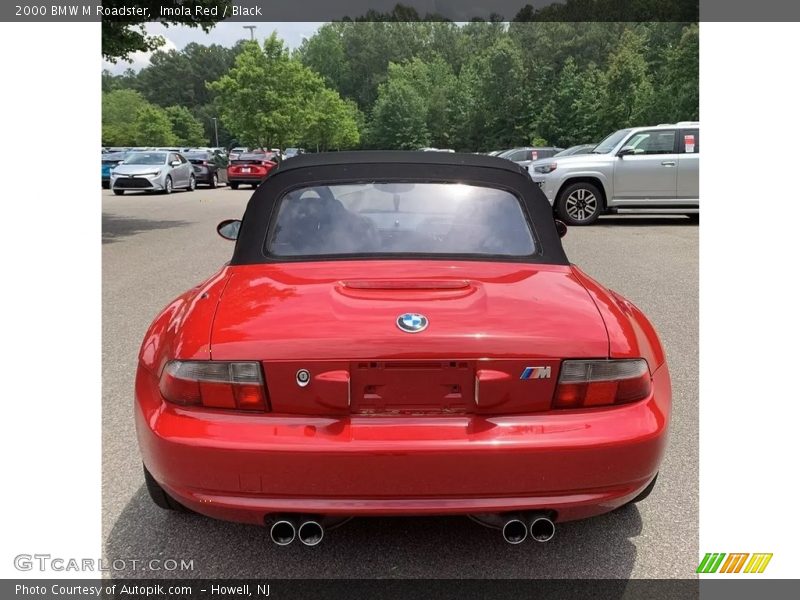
251	168
400	333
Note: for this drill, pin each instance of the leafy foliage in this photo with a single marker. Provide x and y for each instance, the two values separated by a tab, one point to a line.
398	82
187	129
399	116
487	85
119	111
153	127
332	122
269	99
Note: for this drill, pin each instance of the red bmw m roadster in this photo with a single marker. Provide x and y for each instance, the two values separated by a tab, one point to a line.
400	333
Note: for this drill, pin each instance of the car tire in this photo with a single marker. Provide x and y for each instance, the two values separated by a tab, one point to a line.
159	497
234	186
254	185
579	204
168	185
119	192
214	181
645	492
192	183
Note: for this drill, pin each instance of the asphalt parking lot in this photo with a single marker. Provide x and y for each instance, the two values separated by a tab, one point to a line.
155	247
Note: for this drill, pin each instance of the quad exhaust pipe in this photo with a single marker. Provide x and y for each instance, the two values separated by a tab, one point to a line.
515	531
542	528
517	528
284	530
310	533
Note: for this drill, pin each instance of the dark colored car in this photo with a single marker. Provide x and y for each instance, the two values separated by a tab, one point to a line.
251	168
210	168
108	162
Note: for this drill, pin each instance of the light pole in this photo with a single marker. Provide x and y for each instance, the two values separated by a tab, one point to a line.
216	133
252	29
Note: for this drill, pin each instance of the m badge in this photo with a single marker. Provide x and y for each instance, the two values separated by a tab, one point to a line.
535	373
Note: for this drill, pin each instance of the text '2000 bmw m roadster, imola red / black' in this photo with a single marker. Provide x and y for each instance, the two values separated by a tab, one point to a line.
400	333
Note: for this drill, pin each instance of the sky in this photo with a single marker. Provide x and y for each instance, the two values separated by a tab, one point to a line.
225	34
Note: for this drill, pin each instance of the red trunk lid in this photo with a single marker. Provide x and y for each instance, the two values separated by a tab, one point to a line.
487	323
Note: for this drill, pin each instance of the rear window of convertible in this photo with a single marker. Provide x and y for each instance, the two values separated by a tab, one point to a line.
400	218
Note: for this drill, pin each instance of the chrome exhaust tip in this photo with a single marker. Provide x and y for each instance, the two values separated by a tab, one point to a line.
514	531
282	532
542	529
310	533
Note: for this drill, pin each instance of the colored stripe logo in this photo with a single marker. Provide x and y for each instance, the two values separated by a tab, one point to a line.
536	373
714	562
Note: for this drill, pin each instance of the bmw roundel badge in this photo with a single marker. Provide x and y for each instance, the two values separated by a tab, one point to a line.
412	322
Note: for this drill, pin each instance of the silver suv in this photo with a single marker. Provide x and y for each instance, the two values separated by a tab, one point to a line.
643	169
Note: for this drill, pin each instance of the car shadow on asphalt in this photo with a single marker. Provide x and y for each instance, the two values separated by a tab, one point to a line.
116	227
648	221
440	547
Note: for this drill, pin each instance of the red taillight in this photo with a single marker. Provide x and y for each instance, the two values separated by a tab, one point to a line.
589	383
214	384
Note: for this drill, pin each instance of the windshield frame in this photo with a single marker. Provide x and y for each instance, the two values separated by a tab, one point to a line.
146	164
623	135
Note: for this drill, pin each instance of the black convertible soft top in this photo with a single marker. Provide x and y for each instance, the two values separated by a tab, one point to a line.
375	157
331	168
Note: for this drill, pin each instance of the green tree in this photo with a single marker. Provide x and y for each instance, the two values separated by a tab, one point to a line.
482	85
399	117
500	102
324	53
333	122
118	121
629	91
266	99
111	82
108	82
179	77
681	76
465	116
354	57
152	127
435	83
587	107
572	115
188	131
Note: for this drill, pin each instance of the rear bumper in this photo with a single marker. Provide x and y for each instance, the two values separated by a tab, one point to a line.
246	179
241	468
